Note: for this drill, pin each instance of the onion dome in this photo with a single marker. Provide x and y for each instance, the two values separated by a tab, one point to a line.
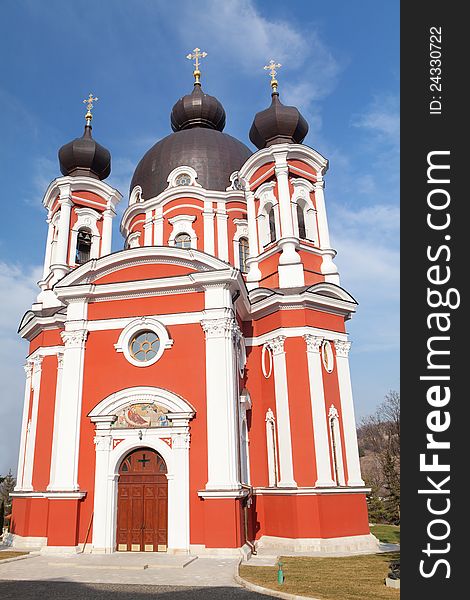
197	110
84	156
278	124
198	142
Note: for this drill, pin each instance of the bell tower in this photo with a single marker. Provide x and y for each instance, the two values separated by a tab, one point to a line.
81	208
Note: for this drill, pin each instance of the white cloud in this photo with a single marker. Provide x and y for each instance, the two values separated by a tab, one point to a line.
17	291
382	118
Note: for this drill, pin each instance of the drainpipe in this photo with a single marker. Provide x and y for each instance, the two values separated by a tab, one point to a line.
245	517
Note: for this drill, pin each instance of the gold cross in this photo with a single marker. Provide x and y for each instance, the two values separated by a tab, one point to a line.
195	55
271	67
89	104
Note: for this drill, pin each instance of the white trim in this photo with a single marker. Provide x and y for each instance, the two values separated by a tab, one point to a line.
222	231
109	455
284	438
86	218
347	413
290	332
319	419
309	491
352	544
28	367
336	447
31	429
134	327
183	224
183	170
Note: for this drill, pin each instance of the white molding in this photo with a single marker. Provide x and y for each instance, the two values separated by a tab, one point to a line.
290	332
143	324
183	170
28	367
284	438
81	183
310	491
109	456
347	413
336	448
183	224
31	428
221	217
221	400
319	420
349	545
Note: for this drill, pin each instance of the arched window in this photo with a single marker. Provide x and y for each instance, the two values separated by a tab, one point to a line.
272	225
301	222
243	253
183	240
82	254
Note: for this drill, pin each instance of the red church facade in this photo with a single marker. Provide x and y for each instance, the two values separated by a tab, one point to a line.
191	392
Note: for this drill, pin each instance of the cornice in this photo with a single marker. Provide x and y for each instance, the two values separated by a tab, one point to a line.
174	193
88	184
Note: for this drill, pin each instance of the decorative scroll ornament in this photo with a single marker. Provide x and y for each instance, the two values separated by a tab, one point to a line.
74	339
277	344
342	348
219	328
313	342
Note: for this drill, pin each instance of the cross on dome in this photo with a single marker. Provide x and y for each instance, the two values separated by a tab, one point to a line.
89	104
195	55
271	67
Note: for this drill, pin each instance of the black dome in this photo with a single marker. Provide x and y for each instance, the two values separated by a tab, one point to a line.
278	124
198	142
197	110
212	154
84	156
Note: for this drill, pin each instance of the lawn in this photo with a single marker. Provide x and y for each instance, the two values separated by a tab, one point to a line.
389	534
7	554
338	578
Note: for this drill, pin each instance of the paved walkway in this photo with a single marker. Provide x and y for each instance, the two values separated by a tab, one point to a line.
133	568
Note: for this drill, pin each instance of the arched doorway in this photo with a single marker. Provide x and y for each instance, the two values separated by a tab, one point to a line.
142	516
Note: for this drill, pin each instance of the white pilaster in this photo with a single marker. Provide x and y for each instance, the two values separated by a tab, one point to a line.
208	220
291	273
28	367
158	225
328	267
60	259
106	236
103	481
347	412
65	474
254	273
317	397
55	433
282	412
222	231
48	255
148	228
32	426
222	430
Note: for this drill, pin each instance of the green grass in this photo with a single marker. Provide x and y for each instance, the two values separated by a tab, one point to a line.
10	554
389	534
336	578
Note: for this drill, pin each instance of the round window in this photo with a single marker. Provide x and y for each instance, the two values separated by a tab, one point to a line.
183	179
328	358
144	346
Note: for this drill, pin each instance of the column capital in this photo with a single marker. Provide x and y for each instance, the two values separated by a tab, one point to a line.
276	345
181	441
60	360
342	348
313	342
319	184
74	339
28	367
219	328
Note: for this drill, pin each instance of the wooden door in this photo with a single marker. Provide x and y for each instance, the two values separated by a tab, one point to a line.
142	519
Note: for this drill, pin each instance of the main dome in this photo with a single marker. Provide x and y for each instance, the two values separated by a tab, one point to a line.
198	142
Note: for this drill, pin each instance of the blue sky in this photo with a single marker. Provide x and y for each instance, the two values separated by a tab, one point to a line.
340	67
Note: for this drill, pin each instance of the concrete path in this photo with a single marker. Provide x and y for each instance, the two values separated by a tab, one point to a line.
133	568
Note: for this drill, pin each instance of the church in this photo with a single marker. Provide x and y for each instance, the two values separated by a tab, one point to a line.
191	392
